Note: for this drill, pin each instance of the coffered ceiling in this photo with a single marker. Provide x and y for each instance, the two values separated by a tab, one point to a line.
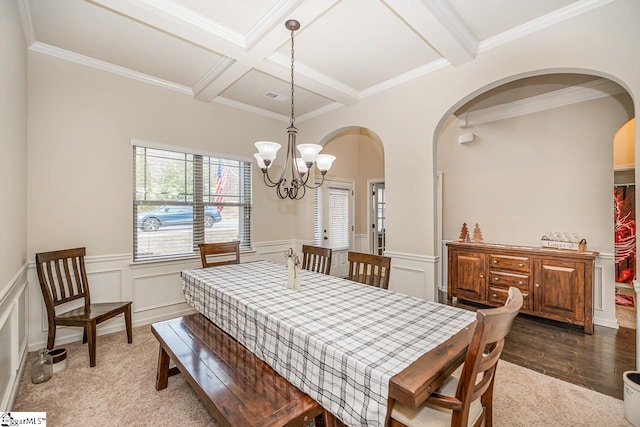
234	52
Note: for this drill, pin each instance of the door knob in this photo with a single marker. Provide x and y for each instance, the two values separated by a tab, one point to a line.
537	285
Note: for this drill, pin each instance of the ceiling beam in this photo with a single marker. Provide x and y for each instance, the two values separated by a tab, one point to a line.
438	25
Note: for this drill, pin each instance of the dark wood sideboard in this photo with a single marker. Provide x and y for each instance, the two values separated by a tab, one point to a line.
556	284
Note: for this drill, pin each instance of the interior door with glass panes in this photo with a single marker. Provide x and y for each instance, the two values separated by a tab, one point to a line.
377	218
333	223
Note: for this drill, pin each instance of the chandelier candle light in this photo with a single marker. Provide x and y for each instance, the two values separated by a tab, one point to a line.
296	186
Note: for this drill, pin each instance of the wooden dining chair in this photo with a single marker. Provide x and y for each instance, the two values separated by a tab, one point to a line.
369	269
315	258
222	250
468	400
63	279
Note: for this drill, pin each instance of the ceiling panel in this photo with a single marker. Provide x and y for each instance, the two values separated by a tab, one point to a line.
89	30
360	43
250	89
487	18
229	14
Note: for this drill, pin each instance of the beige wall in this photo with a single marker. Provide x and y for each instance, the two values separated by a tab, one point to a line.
13	131
524	176
624	146
80	158
407	118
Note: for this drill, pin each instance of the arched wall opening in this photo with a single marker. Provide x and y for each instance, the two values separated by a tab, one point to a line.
360	159
524	175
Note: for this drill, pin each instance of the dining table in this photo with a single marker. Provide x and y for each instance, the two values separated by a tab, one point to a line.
351	347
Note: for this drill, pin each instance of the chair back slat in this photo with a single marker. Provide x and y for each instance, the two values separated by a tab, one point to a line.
315	258
62	276
369	269
478	373
223	253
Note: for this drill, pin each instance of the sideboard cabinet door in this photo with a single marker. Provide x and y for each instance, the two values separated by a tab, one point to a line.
559	289
468	278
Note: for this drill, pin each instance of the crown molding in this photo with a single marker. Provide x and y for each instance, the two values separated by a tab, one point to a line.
212	74
406	77
250	108
27	23
567	12
108	67
319	111
595	89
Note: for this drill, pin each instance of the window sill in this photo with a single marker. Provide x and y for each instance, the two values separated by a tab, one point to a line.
178	260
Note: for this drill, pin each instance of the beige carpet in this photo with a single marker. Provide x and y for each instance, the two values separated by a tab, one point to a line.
120	391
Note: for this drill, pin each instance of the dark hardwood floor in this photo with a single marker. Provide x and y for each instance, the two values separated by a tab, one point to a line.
564	351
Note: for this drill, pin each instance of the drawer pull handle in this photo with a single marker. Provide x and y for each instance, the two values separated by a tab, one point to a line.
520	282
495	295
537	285
521	265
482	276
495	261
496	279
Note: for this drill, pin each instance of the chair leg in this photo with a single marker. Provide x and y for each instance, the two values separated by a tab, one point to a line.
127	322
84	335
487	402
91	339
51	336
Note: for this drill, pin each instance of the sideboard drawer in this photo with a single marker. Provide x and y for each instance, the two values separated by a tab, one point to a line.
498	295
506	262
505	279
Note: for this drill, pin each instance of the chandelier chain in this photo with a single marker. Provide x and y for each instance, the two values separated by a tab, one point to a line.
293	117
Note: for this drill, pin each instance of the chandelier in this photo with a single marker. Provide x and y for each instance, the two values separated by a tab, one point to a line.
296	185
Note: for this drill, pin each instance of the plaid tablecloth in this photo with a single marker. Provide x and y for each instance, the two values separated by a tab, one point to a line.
338	341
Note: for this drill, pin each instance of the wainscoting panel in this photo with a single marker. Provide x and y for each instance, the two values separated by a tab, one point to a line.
274	251
157	290
414	275
604	290
12	337
106	285
7	352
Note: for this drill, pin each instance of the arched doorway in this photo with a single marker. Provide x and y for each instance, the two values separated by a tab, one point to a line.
360	165
529	157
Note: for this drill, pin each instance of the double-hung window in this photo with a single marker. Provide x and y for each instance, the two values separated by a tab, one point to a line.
182	199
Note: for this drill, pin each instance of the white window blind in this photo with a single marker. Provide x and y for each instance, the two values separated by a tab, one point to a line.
339	226
317	217
183	199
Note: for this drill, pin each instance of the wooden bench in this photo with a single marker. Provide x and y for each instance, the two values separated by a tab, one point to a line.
237	387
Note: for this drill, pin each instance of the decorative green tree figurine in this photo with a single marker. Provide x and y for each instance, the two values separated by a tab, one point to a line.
464	232
477	234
